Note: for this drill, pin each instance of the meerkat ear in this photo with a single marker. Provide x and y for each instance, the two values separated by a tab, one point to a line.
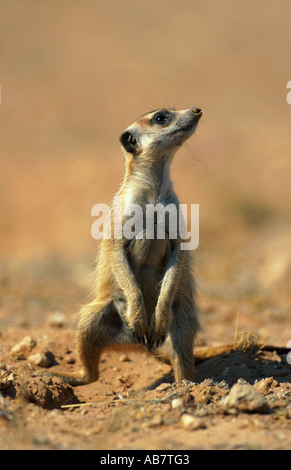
129	142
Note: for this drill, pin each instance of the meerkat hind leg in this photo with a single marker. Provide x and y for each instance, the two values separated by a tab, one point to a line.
177	351
100	327
182	360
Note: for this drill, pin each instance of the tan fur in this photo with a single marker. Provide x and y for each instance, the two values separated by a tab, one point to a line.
145	289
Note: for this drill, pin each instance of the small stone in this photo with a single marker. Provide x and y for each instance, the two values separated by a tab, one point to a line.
6	382
177	403
191	422
163	387
243	397
124	358
156	420
42	359
264	385
57	320
23	348
241	381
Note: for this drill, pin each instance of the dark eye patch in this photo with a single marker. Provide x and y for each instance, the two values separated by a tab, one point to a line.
161	117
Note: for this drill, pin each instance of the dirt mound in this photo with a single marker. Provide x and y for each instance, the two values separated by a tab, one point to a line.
48	392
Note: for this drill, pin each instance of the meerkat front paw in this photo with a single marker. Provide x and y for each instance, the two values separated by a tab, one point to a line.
136	321
159	328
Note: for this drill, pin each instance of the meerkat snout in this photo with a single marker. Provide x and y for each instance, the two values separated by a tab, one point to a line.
197	111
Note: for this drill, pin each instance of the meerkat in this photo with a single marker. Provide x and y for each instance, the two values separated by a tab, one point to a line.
145	289
145	293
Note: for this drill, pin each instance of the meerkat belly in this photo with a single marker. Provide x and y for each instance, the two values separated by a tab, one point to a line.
147	259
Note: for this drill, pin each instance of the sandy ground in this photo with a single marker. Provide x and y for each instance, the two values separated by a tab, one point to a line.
132	406
71	81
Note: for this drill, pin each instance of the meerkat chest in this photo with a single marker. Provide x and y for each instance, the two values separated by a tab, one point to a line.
147	229
148	252
150	221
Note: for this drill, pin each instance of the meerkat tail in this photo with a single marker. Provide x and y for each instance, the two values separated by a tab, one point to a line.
203	353
74	379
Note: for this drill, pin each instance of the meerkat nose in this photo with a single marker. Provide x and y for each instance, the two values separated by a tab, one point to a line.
196	110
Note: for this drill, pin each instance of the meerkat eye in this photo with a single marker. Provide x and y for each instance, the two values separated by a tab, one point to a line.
160	118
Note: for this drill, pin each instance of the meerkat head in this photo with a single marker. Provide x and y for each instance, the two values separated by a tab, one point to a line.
160	132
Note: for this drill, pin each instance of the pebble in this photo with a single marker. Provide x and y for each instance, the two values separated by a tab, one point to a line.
264	386
23	348
191	422
177	403
124	358
41	359
163	387
6	382
243	397
156	420
57	320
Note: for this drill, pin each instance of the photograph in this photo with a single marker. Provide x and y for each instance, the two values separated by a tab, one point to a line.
145	228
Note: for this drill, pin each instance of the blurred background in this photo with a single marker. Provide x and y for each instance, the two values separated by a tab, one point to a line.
74	75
